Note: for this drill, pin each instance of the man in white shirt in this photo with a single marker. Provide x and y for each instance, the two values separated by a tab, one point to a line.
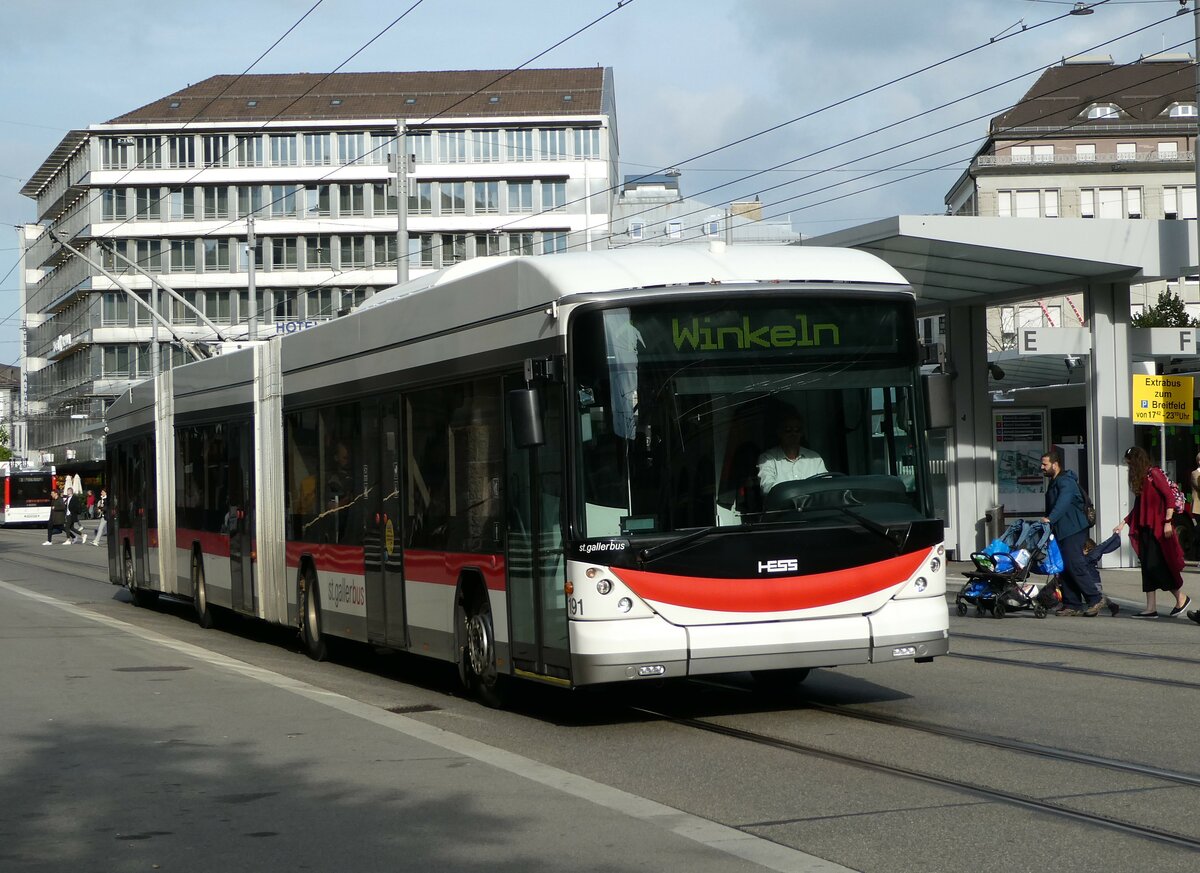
790	460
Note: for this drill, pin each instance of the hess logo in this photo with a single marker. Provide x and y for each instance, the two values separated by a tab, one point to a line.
782	565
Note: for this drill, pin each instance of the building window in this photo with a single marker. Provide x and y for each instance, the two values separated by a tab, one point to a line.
114	308
351	147
250	151
554	243
316	201
183	255
283	253
487	197
318	149
1027	204
454	248
244	254
675	229
112	204
385	249
216	306
520	197
1182	110
520	145
114	152
487	145
116	361
452	146
283	200
1110	202
353	251
283	150
587	143
1021	154
487	245
1168	151
149	205
1179	201
351	200
1126	151
1085	152
383	198
285	305
216	255
249	200
216	150
420	249
552	144
420	146
637	230
216	202
320	303
148	254
420	198
554	196
1102	111
318	252
453	197
185	313
520	244
181	151
148	152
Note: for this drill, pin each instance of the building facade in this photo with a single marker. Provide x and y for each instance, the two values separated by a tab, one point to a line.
168	195
1090	139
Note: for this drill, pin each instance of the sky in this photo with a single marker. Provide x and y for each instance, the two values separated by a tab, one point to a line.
692	77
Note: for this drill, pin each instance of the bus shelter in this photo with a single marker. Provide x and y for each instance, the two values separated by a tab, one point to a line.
960	266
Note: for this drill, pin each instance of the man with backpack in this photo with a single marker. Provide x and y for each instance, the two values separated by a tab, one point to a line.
1066	514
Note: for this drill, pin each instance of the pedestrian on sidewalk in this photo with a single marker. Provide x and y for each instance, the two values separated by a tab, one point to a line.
1152	533
58	518
102	511
74	505
1066	513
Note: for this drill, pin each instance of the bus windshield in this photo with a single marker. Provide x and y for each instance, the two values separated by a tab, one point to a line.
758	412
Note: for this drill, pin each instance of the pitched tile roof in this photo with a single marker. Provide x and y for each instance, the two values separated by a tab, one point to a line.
308	96
1141	91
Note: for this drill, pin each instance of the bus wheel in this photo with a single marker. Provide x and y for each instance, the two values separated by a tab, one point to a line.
479	655
137	595
310	618
204	616
780	681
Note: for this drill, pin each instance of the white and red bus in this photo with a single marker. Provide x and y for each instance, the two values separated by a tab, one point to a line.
546	468
26	496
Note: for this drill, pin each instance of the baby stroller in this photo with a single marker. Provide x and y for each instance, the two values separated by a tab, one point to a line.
1000	582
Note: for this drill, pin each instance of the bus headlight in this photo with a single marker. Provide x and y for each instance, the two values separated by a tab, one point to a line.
921	583
604	586
624	604
935	565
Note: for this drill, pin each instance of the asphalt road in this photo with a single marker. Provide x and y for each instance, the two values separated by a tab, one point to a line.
130	739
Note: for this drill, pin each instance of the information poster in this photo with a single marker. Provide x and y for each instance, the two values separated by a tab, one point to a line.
1020	439
1162	399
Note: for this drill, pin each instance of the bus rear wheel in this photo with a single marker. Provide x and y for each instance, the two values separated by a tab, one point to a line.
479	672
204	616
310	618
139	596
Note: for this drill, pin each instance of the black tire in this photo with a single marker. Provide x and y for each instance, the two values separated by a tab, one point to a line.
204	615
478	668
999	609
780	681
139	596
311	634
1039	612
961	608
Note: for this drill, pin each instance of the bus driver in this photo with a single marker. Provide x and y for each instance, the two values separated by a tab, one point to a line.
789	461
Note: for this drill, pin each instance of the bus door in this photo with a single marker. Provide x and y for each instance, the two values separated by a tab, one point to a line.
535	560
142	492
382	541
239	514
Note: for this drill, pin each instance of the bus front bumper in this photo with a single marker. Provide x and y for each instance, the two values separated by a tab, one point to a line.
652	648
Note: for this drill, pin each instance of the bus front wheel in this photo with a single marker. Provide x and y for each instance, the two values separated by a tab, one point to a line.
204	616
139	596
479	652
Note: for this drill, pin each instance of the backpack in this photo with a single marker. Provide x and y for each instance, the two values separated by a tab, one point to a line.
1179	500
1089	508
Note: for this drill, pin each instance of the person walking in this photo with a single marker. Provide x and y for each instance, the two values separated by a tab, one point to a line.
1067	516
58	517
74	506
102	512
1152	533
91	503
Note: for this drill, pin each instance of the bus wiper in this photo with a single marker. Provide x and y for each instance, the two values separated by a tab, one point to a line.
677	544
872	526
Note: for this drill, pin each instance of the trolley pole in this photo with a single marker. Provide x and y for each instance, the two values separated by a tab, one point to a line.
252	296
401	203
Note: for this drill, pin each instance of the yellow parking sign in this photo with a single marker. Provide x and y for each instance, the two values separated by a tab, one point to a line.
1162	399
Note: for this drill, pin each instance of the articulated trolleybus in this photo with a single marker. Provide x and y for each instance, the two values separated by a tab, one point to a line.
548	468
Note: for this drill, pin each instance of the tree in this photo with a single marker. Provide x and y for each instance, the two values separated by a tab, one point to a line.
1169	311
5	451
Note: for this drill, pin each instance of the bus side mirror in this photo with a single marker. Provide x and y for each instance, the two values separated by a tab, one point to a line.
939	400
525	413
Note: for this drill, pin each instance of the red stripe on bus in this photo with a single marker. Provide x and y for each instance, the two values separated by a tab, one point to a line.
329	558
779	594
445	568
215	544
